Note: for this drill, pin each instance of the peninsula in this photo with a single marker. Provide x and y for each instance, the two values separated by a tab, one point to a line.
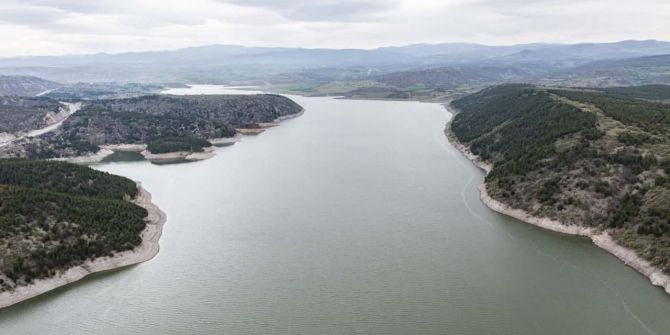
60	222
162	127
585	162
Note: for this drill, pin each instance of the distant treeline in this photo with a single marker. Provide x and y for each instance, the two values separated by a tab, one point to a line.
646	92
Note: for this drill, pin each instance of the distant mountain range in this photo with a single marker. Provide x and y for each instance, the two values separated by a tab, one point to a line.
615	72
236	64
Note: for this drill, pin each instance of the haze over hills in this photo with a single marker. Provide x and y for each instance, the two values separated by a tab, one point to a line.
614	72
232	63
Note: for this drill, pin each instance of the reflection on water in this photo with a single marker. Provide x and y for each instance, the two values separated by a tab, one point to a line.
123	156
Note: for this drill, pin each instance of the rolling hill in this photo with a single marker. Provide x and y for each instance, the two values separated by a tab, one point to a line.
25	85
595	159
230	63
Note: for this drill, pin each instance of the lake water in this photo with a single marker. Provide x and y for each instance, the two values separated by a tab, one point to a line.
358	217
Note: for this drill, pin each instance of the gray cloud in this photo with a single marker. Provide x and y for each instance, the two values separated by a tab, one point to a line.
31	15
74	26
329	10
77	16
75	6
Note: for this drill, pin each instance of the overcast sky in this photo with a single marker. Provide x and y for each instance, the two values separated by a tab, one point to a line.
54	27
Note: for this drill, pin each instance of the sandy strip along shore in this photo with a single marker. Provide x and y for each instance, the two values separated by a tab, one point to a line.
144	252
600	238
289	116
207	153
125	147
225	141
186	156
88	159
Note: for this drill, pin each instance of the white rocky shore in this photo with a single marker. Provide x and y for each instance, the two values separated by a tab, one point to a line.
224	141
250	131
179	156
288	117
186	156
600	238
144	252
125	147
264	126
87	159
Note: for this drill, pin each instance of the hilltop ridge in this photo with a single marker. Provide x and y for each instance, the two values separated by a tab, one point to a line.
599	159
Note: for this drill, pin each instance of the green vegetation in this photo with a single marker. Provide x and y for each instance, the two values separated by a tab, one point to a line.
143	119
65	178
174	144
580	156
96	126
325	89
646	92
630	138
649	116
56	215
95	91
451	77
529	120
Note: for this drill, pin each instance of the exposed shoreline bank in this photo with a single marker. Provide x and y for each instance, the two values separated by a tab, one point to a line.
87	159
289	116
149	248
600	238
178	156
187	156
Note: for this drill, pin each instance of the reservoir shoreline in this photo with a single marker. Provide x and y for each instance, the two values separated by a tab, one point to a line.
151	234
600	238
176	156
149	248
383	245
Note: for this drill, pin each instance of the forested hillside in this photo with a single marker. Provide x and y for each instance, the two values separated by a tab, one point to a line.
56	215
94	91
236	110
593	158
647	92
455	76
146	119
175	144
